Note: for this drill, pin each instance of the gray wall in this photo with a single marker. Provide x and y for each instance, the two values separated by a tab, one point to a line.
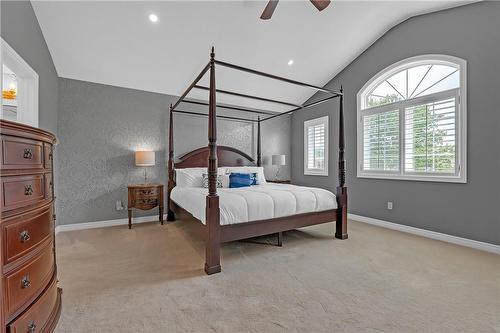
469	210
20	29
99	128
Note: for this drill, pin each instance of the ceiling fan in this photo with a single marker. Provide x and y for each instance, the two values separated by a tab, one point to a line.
271	6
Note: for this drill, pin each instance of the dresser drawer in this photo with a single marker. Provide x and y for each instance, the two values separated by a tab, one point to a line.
20	153
38	316
49	186
27	281
47	155
20	191
26	232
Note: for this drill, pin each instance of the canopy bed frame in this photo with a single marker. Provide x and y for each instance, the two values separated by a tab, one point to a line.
213	156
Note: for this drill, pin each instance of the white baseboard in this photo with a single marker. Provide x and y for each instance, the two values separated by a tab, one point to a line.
488	247
106	223
380	223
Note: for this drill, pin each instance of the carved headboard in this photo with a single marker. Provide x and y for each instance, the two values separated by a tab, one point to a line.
226	157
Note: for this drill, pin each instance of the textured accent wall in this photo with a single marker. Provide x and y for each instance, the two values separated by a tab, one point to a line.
100	126
472	210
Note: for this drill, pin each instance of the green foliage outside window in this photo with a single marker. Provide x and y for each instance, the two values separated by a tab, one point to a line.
430	147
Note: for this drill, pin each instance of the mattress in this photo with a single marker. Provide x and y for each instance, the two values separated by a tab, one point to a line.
259	202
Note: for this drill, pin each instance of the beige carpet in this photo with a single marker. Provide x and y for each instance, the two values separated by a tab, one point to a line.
150	279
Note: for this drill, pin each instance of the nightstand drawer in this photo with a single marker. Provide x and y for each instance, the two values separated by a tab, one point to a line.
146	201
139	193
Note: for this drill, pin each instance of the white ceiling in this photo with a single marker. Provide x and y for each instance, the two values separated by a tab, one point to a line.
114	42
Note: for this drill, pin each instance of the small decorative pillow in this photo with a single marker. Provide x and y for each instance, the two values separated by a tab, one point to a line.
261	179
255	178
253	175
240	180
219	181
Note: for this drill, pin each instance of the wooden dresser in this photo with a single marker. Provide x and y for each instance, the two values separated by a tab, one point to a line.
31	300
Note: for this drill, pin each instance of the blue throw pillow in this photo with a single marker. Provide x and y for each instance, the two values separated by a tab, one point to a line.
240	180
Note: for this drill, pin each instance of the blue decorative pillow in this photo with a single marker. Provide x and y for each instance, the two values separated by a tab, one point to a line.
240	180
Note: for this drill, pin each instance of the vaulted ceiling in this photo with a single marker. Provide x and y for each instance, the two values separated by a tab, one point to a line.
115	43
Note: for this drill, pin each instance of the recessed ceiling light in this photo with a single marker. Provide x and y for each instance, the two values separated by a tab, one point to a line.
153	18
290	62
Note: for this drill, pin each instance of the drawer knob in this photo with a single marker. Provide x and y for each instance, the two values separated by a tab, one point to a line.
28	153
25	282
28	189
31	327
24	236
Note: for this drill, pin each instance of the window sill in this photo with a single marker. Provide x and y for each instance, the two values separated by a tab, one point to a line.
420	178
312	173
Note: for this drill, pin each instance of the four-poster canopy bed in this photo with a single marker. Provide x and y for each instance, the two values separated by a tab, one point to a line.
213	156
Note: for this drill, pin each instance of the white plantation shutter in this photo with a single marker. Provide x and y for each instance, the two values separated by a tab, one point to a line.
381	141
412	121
430	137
316	146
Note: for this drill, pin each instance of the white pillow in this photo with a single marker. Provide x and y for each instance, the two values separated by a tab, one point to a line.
222	180
189	177
193	177
261	179
225	180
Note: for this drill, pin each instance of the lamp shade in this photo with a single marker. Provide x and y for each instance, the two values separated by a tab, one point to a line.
144	158
279	160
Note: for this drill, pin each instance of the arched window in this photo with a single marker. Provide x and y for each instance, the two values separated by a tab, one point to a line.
412	121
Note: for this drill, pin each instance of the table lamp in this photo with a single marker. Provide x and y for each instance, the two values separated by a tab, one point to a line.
278	160
145	158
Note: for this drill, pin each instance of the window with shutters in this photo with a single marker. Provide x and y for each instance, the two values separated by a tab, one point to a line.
412	121
316	146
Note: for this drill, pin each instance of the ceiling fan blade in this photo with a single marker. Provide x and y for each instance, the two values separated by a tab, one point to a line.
269	10
320	4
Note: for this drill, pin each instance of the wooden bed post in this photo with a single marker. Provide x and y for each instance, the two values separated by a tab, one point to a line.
171	184
259	153
341	224
212	254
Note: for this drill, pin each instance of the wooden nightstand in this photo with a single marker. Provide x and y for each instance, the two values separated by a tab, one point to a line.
145	197
279	181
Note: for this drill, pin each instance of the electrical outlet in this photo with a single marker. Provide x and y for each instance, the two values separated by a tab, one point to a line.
389	205
119	205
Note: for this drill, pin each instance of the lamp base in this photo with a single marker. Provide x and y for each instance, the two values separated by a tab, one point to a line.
277	174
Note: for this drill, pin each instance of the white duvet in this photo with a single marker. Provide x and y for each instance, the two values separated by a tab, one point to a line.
257	202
